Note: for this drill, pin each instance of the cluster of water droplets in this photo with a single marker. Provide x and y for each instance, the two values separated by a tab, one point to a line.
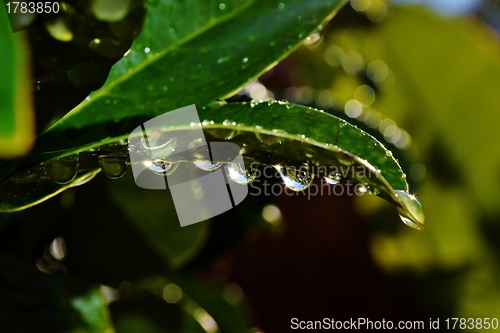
161	153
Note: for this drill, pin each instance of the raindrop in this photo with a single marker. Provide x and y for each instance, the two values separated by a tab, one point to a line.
147	50
161	167
314	38
240	174
157	147
62	170
360	189
245	60
281	5
411	211
333	178
207	165
112	11
113	166
295	179
222	6
24	182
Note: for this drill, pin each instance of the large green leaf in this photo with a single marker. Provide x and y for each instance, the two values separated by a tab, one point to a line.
193	53
16	116
272	134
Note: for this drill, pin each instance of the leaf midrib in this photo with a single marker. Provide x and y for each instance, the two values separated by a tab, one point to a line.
105	91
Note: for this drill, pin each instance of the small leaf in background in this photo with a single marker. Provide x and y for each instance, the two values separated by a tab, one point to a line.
17	132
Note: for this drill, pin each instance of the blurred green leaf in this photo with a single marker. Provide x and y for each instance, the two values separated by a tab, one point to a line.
457	82
16	117
153	214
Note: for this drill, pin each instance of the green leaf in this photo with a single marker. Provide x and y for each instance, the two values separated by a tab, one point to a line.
289	135
16	116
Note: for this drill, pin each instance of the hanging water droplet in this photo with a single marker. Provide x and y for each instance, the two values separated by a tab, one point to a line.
360	189
411	211
24	183
161	167
207	165
113	166
314	38
62	170
333	178
240	174
158	145
295	179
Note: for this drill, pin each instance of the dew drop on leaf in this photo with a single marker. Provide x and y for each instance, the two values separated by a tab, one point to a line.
25	182
295	179
360	189
314	38
240	174
113	166
62	170
411	211
207	165
333	178
161	167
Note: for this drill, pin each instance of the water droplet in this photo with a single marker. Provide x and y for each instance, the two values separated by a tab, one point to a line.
411	211
360	189
388	153
171	79
24	182
222	6
161	167
245	60
113	166
240	174
220	61
314	38
158	145
299	36
62	170
295	179
333	178
207	165
281	5
147	50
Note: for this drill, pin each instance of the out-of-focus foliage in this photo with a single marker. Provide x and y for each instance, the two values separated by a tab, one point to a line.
16	109
436	78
